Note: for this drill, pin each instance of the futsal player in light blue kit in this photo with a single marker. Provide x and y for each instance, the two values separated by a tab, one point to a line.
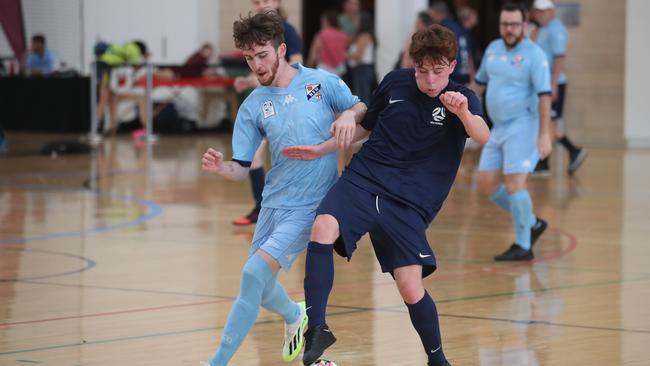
293	105
553	37
516	73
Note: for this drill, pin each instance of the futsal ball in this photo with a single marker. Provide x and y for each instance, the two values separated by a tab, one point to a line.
323	363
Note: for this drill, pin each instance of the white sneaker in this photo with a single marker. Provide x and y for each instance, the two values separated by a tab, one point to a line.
293	335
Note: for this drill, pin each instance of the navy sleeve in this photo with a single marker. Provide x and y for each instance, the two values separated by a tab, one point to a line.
378	103
474	106
292	39
473	103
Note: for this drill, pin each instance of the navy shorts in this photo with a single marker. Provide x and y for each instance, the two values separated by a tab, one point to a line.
397	231
557	107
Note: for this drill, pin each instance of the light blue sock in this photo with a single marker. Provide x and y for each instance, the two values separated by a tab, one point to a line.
500	198
276	299
255	276
521	208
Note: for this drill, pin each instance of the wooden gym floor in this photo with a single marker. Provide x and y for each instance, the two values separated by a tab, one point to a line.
127	257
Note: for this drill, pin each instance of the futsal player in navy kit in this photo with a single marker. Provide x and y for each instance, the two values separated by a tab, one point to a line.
395	185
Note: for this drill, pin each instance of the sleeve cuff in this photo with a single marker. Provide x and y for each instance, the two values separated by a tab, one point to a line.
543	93
245	164
479	82
366	124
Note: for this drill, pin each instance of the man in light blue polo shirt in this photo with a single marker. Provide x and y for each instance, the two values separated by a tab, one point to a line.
293	105
553	37
516	73
40	60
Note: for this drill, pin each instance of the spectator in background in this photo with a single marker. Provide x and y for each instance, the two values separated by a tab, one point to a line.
361	59
422	22
464	71
351	18
328	49
552	37
195	66
4	145
468	18
110	56
40	60
197	63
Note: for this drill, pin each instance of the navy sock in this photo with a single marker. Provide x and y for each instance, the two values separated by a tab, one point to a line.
567	144
319	276
257	184
424	318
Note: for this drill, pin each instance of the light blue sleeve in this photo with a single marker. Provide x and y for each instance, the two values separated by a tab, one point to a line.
31	61
540	71
247	134
338	94
559	40
50	60
481	76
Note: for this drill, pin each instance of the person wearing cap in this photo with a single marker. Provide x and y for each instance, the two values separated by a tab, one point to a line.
518	98
552	37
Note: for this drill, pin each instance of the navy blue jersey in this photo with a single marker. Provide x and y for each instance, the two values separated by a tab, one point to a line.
415	147
292	39
463	39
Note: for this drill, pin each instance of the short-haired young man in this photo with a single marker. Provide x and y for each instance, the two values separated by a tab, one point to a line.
395	185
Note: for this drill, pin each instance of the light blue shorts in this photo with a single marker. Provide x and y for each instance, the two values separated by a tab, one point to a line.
512	147
284	234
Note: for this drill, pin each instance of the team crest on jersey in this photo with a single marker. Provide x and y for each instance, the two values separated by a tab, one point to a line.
517	60
438	116
313	92
267	109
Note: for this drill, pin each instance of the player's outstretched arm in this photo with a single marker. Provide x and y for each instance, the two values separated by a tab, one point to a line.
475	126
313	152
212	162
344	127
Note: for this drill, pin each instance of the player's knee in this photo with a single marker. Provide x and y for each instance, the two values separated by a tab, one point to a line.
411	291
325	229
255	273
485	185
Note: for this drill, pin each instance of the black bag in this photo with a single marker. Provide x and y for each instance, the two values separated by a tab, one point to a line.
65	147
167	120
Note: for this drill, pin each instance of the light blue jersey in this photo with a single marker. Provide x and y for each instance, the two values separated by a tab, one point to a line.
515	78
44	64
300	114
553	38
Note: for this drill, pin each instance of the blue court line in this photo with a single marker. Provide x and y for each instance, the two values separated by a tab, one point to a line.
70	173
154	211
89	263
137	290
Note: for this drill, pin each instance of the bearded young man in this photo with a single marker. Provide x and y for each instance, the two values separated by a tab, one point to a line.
516	73
292	105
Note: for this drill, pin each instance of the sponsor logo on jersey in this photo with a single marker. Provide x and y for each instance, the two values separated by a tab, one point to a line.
438	116
313	92
267	109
